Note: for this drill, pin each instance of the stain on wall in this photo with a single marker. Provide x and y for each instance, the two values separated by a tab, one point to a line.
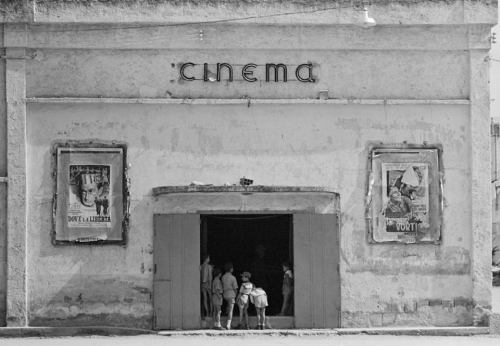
319	145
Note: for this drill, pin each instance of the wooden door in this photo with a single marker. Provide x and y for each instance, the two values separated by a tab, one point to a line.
176	287
317	280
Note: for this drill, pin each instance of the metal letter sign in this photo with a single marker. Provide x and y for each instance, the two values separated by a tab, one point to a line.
270	72
248	74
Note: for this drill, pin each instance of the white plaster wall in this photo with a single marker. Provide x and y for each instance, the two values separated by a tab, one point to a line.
155	73
419	50
323	145
3	195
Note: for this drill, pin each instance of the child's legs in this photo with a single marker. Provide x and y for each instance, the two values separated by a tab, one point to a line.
283	304
245	313
217	311
259	316
290	303
205	298
263	316
209	303
286	302
242	310
230	307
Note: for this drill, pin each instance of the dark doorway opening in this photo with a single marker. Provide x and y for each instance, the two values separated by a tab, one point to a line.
258	243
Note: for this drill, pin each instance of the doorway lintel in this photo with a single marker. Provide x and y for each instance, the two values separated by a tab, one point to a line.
239	199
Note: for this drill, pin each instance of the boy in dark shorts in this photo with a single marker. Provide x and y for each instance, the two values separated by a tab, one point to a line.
230	289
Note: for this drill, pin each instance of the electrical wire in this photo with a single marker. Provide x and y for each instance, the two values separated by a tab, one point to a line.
353	4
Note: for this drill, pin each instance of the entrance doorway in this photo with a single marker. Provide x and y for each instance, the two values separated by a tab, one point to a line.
257	243
308	239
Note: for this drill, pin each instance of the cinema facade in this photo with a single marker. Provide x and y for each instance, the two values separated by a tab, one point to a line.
128	125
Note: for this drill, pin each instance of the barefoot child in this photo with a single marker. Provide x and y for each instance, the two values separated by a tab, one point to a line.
243	298
230	288
259	298
217	297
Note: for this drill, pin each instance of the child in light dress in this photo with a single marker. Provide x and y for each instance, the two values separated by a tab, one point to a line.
258	297
243	298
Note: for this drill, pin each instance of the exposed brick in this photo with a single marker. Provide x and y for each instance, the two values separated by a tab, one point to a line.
447	303
461	301
495	324
422	303
375	320
389	319
410	307
394	307
435	302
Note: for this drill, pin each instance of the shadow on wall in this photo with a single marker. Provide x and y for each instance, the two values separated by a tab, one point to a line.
95	300
89	286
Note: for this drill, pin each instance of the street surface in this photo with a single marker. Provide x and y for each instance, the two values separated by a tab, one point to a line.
257	340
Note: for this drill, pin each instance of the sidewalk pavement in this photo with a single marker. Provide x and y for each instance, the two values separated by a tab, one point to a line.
19	332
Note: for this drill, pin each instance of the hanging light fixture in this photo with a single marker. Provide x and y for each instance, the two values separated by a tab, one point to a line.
368	21
362	5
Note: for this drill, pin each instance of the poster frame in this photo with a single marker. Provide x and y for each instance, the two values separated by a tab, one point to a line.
429	154
122	207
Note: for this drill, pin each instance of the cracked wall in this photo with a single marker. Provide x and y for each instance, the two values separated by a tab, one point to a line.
420	74
275	145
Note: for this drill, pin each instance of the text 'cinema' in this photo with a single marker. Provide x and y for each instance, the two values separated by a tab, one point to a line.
250	72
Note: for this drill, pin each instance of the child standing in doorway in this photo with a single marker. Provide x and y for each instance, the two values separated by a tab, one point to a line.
259	298
287	289
217	297
243	298
206	284
230	289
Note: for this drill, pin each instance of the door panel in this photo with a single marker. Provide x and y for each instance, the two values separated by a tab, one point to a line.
162	304
302	271
191	272
177	278
317	282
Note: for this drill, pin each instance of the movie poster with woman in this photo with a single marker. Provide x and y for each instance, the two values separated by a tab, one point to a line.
405	197
404	201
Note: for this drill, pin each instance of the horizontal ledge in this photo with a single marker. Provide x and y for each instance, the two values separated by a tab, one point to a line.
4	180
230	101
420	331
99	330
162	190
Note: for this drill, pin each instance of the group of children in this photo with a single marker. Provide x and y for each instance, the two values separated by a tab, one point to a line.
217	288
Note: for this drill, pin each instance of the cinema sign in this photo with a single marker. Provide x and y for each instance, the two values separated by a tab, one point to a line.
269	72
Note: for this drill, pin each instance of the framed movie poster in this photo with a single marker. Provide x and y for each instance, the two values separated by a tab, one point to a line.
91	195
404	195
